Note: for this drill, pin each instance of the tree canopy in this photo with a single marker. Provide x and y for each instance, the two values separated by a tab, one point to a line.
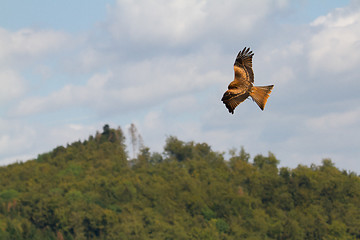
90	190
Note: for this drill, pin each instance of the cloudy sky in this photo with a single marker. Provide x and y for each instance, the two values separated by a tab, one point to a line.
69	67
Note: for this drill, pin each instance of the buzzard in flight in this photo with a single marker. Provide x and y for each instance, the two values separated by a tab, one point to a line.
242	87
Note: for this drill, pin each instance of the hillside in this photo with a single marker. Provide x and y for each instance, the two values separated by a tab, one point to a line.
89	190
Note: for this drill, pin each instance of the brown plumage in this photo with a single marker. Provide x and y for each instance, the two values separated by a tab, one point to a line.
242	87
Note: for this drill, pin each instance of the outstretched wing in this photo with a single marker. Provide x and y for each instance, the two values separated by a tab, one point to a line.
244	60
231	101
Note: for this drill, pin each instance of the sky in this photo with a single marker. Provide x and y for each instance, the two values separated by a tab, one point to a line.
69	67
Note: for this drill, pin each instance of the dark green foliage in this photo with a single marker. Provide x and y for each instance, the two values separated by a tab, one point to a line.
222	226
8	195
89	190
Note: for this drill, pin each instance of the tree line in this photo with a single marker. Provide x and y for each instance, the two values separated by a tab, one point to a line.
90	190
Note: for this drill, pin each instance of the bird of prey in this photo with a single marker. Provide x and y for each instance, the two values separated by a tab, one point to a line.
242	87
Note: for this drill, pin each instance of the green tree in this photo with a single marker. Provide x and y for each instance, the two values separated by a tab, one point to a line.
86	190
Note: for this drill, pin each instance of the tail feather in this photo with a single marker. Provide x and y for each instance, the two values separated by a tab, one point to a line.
260	95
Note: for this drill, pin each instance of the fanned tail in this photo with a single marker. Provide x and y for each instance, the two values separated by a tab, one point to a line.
260	95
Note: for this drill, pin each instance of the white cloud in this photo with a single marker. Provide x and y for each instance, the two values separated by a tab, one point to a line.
133	85
87	60
67	97
335	120
183	104
12	85
151	21
165	77
153	121
335	47
21	143
340	17
69	133
283	76
15	138
44	71
28	43
179	22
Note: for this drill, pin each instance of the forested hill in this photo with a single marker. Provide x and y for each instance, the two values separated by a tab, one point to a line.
89	190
